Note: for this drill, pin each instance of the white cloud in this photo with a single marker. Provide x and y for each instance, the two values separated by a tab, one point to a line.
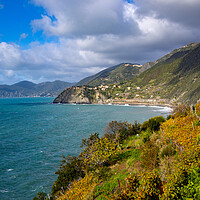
9	73
23	36
157	29
77	18
9	55
49	61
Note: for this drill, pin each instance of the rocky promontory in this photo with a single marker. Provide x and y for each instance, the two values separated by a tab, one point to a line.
80	95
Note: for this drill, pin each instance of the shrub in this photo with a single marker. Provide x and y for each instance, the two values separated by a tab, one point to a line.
166	167
119	131
153	124
197	108
79	189
181	131
150	186
183	183
87	142
97	153
167	151
41	196
146	138
192	189
147	188
181	110
130	190
70	169
149	155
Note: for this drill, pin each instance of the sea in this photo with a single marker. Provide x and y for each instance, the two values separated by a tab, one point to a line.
35	133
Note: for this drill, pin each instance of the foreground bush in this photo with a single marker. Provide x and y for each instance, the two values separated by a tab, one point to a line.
79	189
182	132
96	154
119	131
145	186
153	124
70	170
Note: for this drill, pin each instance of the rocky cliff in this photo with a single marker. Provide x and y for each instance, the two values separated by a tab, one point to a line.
80	95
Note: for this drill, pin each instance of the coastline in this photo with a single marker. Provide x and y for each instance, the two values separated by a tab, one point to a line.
167	107
124	103
146	102
140	103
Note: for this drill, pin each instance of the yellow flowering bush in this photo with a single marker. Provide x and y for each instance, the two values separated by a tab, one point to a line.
79	189
182	131
98	152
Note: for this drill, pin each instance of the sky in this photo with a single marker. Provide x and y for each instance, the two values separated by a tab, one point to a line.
47	40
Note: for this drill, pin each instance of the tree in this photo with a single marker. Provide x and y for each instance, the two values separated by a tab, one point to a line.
98	152
41	196
119	131
69	170
153	124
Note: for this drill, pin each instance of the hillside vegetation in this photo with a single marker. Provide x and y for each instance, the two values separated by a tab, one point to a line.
159	159
112	75
176	76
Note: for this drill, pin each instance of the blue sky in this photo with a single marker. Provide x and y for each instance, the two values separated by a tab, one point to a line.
16	16
46	40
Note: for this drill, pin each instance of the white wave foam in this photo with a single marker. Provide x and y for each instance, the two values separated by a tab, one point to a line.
9	170
163	109
141	106
4	191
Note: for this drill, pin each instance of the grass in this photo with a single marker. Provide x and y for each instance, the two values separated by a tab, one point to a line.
109	186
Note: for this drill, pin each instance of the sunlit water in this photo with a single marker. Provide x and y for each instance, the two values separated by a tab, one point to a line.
34	133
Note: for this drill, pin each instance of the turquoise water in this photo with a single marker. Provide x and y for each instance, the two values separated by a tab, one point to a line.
34	133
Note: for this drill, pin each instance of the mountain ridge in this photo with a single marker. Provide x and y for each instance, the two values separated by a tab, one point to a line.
30	89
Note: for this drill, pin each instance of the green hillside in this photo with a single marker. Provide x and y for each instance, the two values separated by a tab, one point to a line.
175	76
112	75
